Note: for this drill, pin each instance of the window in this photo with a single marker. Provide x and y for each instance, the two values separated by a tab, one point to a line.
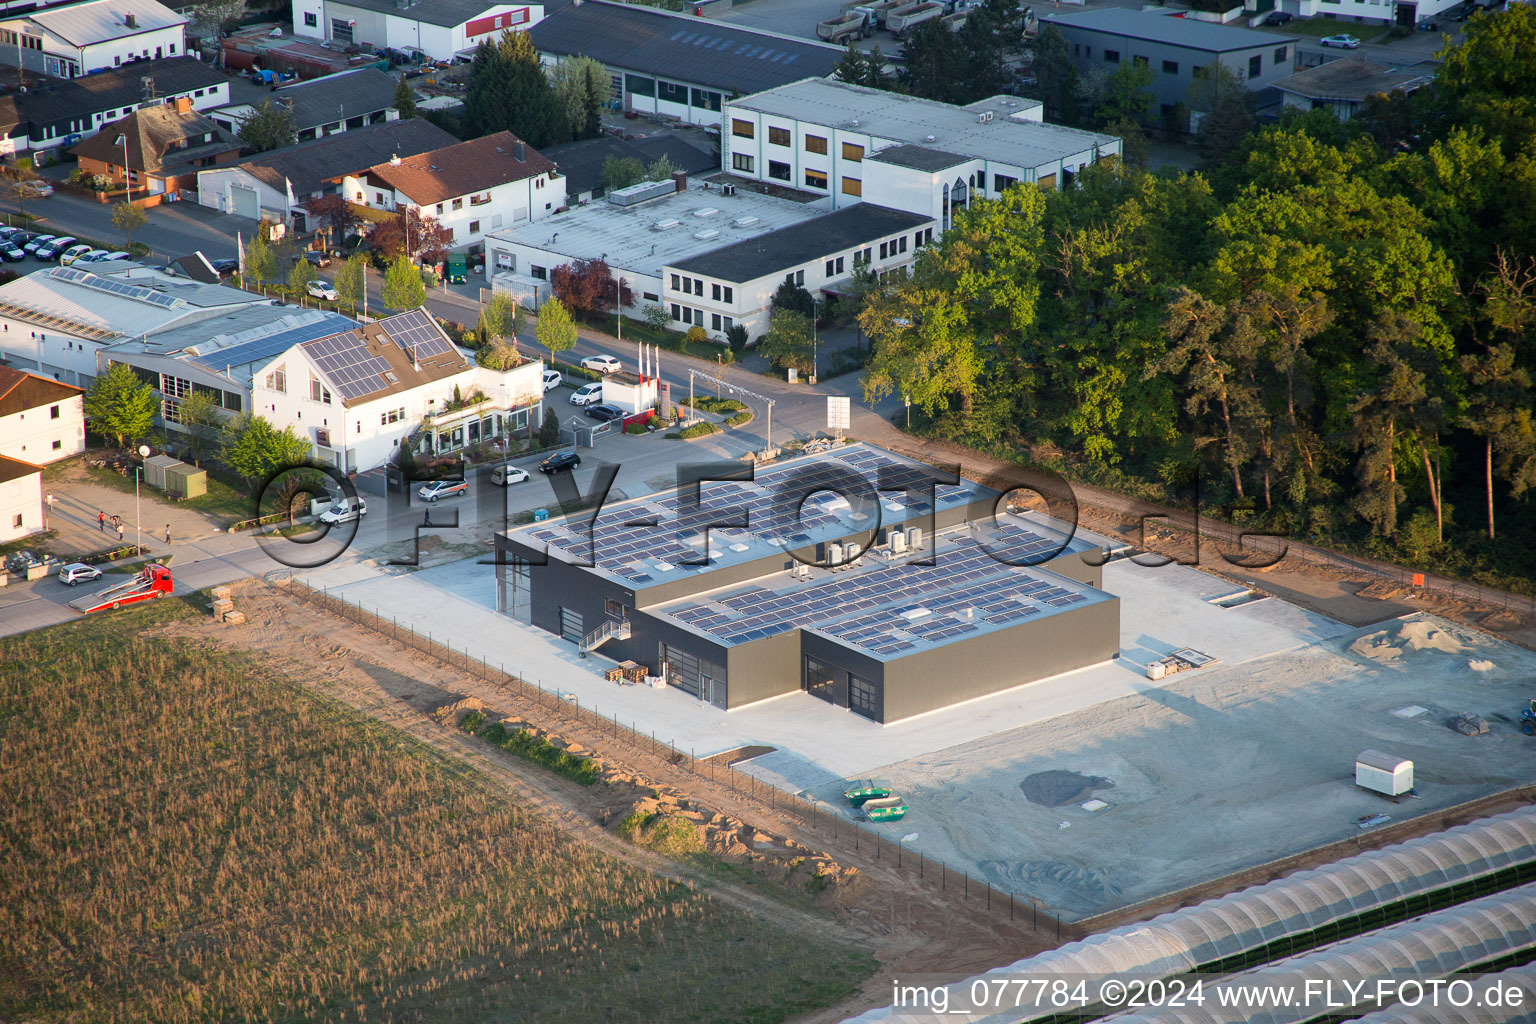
853	186
53	412
676	314
714	321
1170	67
639	85
277	380
901	243
1255	65
861	697
57	445
815	179
672	93
778	169
840	264
741	162
480	200
1280	55
651	297
474	227
705	99
1002	182
539	273
310	20
16	521
778	136
1198	72
341	30
1111	56
1140	62
883	252
816	144
676	283
728	294
743	129
314	388
698	288
458	204
853	152
830	271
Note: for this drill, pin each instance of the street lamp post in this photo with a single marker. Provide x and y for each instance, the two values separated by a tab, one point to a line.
138	522
122	140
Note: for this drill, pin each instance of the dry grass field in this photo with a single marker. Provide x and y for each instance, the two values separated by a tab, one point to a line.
189	837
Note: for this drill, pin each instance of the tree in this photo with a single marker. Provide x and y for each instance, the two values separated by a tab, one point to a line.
120	405
210	16
1224	104
620	172
789	341
794	298
410	234
549	432
588	287
503	316
555	330
259	264
1057	82
496	354
256	450
23	173
1489	77
582	89
509	91
932	54
203	421
1128	94
403	287
1500	381
269	126
333	213
128	218
352	280
405	99
300	275
858	67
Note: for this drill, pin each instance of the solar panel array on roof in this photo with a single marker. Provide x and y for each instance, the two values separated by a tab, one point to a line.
414	332
104	284
348	364
715	42
264	348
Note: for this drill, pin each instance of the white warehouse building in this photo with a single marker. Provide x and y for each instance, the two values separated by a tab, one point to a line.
441	29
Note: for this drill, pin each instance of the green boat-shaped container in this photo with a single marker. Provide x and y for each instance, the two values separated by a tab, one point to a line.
888	808
860	792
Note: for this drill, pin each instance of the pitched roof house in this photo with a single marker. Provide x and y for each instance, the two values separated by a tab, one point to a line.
162	146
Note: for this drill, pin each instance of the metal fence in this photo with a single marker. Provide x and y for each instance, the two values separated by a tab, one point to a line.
834	831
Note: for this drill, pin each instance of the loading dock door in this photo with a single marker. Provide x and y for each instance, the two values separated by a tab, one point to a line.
244	202
682	670
570	626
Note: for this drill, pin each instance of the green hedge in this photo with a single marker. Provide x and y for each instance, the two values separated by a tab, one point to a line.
540	751
745	416
703	429
711	404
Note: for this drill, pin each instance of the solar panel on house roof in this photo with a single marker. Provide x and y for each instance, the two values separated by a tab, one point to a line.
271	345
348	364
416	334
103	284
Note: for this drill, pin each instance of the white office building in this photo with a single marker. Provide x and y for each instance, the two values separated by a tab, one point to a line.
76	39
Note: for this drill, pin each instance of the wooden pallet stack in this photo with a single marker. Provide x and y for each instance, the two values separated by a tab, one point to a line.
224	608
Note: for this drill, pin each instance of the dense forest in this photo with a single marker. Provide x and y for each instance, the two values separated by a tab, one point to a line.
1334	323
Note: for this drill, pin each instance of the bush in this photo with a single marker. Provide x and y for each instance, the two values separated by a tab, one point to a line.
745	416
668	834
635	428
472	722
737	337
540	751
698	430
549	433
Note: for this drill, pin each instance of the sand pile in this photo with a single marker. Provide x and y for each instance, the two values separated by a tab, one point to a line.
1386	646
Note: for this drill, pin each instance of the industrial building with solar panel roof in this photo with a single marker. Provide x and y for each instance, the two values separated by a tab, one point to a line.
850	574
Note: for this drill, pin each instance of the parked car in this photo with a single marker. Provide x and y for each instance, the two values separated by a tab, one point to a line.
321	290
316	258
605	412
94	256
552	379
443	489
73	253
52	250
1345	41
113	257
11	252
225	268
78	572
1279	18
588	394
1463	12
35	189
602	364
503	476
559	462
344	511
37	240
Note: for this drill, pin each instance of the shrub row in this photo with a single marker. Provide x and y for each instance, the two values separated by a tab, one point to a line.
540	751
703	429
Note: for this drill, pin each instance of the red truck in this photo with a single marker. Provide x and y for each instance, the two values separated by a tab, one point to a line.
155	581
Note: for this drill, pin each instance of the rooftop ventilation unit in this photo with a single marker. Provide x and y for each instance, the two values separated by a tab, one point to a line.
984	117
929	138
706	211
834	556
641	192
706	234
744	222
898	542
663	225
727	189
913	614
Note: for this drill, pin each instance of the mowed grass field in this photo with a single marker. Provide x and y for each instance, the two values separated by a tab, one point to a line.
185	837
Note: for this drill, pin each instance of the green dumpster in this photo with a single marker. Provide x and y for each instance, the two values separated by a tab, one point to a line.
458	268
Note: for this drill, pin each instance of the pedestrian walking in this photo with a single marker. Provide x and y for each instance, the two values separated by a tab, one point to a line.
119	531
167	533
101	522
426	517
117	523
50	501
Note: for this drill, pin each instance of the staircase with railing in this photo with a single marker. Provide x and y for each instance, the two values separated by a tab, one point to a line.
609	630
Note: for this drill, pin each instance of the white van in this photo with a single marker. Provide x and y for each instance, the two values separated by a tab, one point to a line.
344	511
501	476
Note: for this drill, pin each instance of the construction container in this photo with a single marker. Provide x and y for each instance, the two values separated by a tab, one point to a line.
1383	773
155	468
184	481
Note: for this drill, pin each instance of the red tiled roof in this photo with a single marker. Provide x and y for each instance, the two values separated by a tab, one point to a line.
462	170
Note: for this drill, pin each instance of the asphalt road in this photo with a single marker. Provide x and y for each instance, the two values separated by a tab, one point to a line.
174	229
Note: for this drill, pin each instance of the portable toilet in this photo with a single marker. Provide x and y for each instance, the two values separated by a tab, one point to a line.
155	468
184	481
1383	773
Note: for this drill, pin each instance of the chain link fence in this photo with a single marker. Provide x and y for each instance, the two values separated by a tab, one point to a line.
833	831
